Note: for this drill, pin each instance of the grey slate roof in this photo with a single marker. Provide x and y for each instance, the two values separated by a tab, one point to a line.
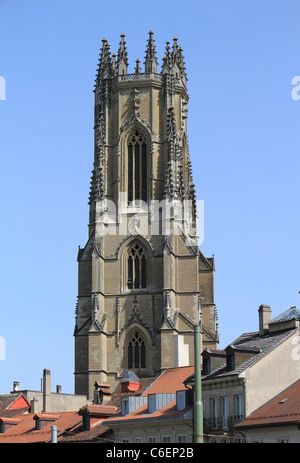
259	345
292	313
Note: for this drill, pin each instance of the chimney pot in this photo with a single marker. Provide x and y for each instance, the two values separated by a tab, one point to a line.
58	389
16	386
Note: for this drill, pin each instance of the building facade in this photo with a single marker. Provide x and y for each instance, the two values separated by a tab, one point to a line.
249	372
143	283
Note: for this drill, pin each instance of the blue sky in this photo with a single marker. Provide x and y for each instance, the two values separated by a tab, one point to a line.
244	137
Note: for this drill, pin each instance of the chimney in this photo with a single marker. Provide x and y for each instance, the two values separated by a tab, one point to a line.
34	405
16	386
46	391
58	389
264	313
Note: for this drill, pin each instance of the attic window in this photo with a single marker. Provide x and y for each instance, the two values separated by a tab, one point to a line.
125	406
206	366
230	363
44	419
151	403
8	423
184	399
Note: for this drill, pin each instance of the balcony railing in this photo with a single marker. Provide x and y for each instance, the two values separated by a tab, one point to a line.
222	422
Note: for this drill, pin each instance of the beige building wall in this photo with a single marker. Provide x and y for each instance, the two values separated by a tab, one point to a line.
272	374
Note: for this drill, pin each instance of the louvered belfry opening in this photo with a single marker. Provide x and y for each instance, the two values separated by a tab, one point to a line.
137	167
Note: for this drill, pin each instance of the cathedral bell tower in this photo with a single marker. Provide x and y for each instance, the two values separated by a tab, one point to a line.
143	283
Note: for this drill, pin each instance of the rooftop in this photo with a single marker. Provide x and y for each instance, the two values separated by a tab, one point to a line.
291	314
255	343
284	408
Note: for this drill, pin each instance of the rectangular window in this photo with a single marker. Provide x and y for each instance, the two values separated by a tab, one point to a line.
180	400
206	366
138	440
166	439
282	440
125	407
213	413
225	411
230	363
189	397
181	438
151	403
152	439
239	407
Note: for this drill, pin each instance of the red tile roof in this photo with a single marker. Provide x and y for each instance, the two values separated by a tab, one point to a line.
170	381
25	431
282	409
12	404
101	410
168	411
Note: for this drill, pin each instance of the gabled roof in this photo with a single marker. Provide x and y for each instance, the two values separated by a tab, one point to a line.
25	431
170	381
167	412
249	342
13	404
284	408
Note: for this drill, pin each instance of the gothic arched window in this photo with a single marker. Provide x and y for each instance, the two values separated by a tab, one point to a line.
137	267
137	167
136	352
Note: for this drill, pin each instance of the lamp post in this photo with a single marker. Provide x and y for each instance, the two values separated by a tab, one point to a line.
198	407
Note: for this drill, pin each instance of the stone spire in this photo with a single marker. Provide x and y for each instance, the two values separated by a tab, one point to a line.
150	58
105	64
167	61
122	61
178	66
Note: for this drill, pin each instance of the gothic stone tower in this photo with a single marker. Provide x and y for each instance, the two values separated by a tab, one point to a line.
143	282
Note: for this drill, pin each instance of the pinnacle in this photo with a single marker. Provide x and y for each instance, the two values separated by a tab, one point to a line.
117	64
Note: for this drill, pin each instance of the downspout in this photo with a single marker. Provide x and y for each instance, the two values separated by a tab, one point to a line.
198	408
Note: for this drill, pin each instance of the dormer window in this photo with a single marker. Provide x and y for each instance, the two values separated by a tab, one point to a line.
230	362
151	403
184	399
8	423
206	366
43	419
125	406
